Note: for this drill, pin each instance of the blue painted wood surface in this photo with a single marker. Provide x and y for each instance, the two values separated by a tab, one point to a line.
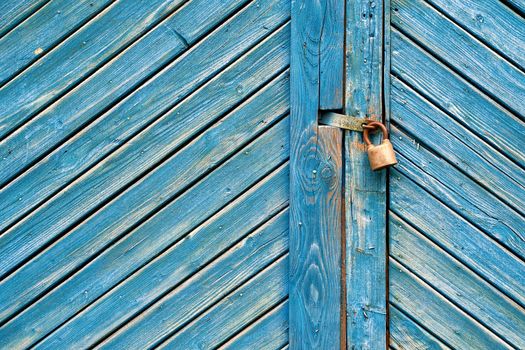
109	85
86	50
269	332
365	191
315	191
150	102
15	12
331	52
146	184
43	31
456	198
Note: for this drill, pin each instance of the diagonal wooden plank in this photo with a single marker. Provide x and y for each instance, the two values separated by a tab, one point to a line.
49	220
199	157
458	237
461	51
460	193
42	31
434	312
191	252
406	334
457	283
110	31
15	12
517	5
241	307
458	145
129	254
490	21
140	109
270	332
206	287
112	82
461	100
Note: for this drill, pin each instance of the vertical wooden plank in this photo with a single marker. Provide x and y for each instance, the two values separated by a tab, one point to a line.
365	196
315	193
332	55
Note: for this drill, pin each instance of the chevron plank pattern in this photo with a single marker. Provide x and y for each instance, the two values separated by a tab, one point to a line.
457	206
144	151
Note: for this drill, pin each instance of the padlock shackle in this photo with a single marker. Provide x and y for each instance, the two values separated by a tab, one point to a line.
373	126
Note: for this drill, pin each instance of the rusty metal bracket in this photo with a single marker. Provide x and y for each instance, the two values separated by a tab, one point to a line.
343	121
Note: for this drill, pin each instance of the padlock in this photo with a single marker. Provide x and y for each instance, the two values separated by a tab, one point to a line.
380	156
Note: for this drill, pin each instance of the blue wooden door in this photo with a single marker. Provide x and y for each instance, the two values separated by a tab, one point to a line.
457	197
144	153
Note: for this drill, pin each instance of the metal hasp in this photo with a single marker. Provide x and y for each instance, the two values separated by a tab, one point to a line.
380	156
343	121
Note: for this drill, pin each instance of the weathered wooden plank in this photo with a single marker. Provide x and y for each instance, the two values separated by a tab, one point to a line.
42	31
211	148
461	100
316	278
109	84
458	145
406	334
457	283
460	193
517	5
175	220
198	158
458	237
204	153
365	196
206	287
492	22
173	267
106	35
315	193
332	49
430	309
470	57
16	11
268	333
236	311
87	147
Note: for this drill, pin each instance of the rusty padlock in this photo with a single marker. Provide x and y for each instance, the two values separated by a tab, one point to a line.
380	156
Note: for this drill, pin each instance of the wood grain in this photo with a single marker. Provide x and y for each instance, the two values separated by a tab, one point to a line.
460	99
365	191
125	211
270	332
109	85
446	321
406	334
461	239
315	193
332	46
460	193
42	31
457	243
242	262
108	33
457	283
174	221
492	22
236	311
458	145
466	54
109	133
15	12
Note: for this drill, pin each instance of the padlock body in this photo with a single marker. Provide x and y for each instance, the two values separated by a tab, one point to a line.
382	155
